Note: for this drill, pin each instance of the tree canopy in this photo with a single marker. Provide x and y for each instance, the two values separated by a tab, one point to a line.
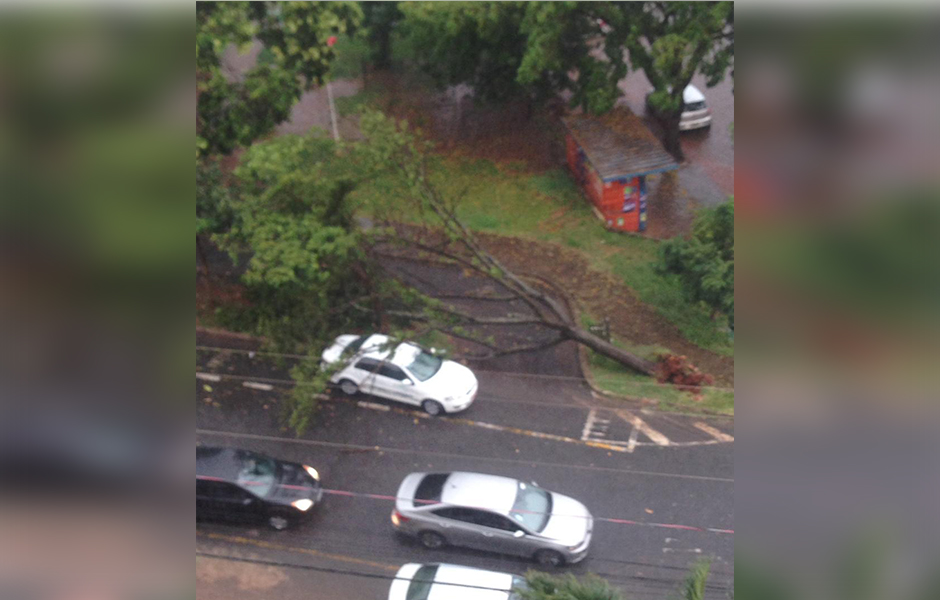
542	49
705	261
234	109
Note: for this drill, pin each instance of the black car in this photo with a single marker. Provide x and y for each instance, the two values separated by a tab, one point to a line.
245	486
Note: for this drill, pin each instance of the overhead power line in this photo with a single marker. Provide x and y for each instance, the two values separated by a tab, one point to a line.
390	450
253	353
657	582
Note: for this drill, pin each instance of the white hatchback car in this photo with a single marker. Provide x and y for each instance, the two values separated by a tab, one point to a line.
404	372
453	582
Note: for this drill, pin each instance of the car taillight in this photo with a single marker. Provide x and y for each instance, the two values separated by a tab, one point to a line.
398	518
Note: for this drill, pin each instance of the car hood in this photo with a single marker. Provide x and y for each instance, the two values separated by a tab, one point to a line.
570	523
295	484
452	379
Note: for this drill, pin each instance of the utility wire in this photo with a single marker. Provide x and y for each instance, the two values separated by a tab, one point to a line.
390	450
659	582
487	395
386	497
251	353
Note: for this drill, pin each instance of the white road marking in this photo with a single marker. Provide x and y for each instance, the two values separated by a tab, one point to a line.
631	444
375	406
638	423
208	377
718	435
692	550
588	425
265	387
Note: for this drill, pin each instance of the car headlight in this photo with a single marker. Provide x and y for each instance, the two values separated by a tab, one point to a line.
312	472
302	505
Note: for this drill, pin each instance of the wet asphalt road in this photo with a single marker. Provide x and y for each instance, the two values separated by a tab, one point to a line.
685	485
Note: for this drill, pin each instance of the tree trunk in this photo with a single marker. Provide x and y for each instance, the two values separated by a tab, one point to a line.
671	136
609	350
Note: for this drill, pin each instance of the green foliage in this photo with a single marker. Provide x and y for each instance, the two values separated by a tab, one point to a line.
295	224
214	212
352	52
542	586
671	42
563	37
235	111
379	20
478	43
694	586
705	262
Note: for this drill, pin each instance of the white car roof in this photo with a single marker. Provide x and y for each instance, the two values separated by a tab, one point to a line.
403	354
456	576
490	492
692	94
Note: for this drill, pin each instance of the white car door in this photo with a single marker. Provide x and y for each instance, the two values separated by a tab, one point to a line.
391	382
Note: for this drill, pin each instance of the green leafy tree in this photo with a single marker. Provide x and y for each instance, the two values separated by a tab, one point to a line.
477	43
235	109
391	148
542	586
705	261
294	224
509	50
380	19
565	38
671	42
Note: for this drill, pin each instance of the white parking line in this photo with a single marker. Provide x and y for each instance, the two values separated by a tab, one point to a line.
588	425
208	377
266	387
375	406
718	435
638	423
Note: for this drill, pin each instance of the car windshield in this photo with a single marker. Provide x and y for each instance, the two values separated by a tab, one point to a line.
425	366
258	474
533	507
690	106
519	584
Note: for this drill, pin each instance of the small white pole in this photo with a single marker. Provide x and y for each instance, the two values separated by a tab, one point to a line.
329	95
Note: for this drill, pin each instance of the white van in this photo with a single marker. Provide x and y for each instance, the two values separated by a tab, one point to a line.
695	112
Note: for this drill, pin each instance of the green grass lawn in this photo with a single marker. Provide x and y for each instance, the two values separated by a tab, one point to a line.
550	207
615	378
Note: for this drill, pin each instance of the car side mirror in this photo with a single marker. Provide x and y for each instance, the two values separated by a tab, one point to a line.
518	533
247	501
407	382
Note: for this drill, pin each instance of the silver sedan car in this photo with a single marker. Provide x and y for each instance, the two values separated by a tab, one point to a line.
493	513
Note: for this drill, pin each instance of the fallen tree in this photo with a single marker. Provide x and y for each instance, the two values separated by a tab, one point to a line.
390	146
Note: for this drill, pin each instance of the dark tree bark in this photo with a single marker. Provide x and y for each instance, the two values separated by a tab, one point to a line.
671	141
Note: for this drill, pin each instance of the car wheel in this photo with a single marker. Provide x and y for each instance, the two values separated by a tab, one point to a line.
549	558
431	540
349	387
279	522
432	407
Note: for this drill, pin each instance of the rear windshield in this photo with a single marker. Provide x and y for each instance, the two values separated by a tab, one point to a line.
690	106
421	583
430	488
354	345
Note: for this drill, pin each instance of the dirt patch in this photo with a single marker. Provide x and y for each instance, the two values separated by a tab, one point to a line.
601	294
